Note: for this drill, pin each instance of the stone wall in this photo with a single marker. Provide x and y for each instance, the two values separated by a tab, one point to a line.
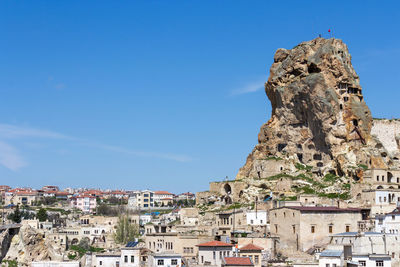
386	131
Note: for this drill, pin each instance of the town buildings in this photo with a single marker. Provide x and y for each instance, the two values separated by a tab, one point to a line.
141	199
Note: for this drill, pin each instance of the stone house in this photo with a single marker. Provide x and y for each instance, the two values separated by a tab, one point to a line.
388	223
301	228
380	201
184	244
383	178
253	252
213	252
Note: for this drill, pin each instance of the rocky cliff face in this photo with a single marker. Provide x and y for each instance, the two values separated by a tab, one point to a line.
319	116
30	245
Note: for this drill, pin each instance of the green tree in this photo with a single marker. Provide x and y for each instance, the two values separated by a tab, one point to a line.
126	231
85	243
42	215
16	216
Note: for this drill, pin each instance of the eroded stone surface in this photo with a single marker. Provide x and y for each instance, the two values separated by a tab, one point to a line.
319	116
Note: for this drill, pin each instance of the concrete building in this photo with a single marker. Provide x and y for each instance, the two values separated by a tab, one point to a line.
331	258
86	203
165	259
256	217
213	252
388	223
163	198
301	228
129	256
21	197
141	199
369	248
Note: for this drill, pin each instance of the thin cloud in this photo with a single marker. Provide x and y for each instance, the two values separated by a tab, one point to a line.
10	157
249	88
12	131
174	157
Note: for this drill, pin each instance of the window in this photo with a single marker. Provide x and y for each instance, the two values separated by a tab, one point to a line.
256	259
214	256
362	263
333	264
220	254
377	178
312	228
379	263
347	228
327	265
126	258
393	217
174	262
251	221
294	229
202	259
160	262
100	263
132	258
261	221
276	228
284	214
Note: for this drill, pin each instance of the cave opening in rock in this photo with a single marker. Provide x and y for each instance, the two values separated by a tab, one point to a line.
281	147
228	189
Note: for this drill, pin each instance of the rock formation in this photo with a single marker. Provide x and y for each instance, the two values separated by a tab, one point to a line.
30	245
321	138
319	116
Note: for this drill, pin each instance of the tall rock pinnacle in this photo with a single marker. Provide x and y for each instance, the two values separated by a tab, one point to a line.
319	116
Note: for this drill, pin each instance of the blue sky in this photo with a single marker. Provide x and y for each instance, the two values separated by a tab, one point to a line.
162	95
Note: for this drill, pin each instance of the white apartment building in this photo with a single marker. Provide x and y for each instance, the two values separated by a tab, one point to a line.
141	199
256	217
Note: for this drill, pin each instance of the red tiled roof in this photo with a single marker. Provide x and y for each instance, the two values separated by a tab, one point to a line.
244	261
26	193
162	193
322	209
215	244
118	193
249	247
62	193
